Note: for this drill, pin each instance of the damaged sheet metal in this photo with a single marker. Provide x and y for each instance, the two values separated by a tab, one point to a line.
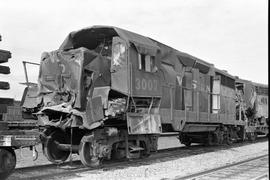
70	74
71	117
104	93
116	106
66	81
143	123
30	98
90	35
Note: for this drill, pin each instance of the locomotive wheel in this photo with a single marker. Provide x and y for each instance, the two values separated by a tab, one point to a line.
187	143
210	139
50	149
252	136
144	153
228	137
218	136
87	155
7	162
118	151
185	140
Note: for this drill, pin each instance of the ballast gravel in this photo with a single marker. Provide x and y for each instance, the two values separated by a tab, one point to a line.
178	167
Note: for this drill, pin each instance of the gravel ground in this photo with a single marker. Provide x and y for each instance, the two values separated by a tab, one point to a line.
181	166
159	170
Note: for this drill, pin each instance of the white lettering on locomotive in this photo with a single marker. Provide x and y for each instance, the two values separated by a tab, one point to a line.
146	84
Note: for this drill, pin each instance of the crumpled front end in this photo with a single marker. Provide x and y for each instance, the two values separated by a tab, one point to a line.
66	84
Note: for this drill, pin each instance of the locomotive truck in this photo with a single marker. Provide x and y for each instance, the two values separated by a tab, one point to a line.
109	93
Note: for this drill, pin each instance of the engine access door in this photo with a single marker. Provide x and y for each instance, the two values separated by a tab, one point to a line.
119	66
216	95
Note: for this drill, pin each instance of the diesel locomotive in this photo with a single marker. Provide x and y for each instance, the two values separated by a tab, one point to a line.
107	93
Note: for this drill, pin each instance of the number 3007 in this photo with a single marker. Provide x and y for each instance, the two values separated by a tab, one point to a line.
146	84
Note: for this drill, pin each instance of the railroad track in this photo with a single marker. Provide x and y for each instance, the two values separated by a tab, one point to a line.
253	169
53	171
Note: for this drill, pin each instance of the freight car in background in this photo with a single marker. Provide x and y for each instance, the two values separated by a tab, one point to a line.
15	132
109	93
252	105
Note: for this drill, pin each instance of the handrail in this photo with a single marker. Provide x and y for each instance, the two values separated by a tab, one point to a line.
25	70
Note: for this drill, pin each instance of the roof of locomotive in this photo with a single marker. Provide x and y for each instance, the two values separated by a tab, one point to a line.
98	33
184	58
224	72
244	81
260	85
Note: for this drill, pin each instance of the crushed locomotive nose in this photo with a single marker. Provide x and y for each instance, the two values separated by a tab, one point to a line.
66	85
108	93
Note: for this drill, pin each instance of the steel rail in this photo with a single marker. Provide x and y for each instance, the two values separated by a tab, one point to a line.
202	173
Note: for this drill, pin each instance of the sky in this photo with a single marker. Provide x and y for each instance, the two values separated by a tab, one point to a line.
231	34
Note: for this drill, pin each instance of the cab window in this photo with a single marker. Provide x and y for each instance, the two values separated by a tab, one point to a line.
146	63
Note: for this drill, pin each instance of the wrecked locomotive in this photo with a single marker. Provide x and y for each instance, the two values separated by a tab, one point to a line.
108	93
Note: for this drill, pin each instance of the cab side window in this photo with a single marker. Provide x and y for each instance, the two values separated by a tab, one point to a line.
146	63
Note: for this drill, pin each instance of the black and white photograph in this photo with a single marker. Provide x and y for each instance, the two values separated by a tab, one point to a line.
134	90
